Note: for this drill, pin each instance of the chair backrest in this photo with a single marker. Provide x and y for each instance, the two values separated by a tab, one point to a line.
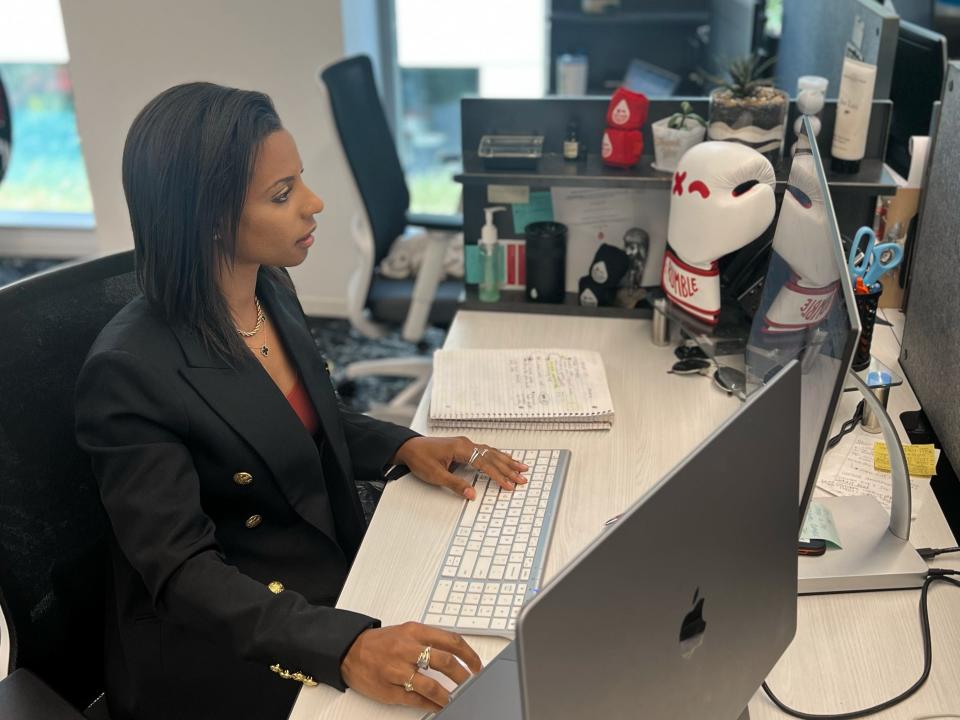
53	529
6	131
368	144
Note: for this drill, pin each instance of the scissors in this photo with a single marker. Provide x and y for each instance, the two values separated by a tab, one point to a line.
874	260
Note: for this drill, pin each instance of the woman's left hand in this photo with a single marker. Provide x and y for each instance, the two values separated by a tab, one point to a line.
430	459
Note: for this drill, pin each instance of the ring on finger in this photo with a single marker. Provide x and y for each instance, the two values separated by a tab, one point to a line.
484	451
474	456
408	685
423	662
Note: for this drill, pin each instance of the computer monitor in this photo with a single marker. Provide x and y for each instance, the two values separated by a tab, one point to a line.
918	72
920	12
736	30
807	309
815	35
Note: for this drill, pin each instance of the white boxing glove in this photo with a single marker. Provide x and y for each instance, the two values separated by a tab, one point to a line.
721	199
803	240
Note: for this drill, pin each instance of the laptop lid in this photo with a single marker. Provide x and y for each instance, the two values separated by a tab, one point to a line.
683	606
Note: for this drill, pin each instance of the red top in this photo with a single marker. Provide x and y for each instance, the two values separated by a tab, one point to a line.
303	407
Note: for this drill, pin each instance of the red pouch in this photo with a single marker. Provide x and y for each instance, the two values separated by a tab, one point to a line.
621	148
627	110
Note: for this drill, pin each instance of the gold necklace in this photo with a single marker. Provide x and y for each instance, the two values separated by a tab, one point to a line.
261	318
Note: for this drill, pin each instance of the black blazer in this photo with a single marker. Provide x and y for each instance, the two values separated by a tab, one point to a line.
218	497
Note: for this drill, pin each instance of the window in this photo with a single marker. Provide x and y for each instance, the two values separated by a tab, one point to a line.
446	50
46	181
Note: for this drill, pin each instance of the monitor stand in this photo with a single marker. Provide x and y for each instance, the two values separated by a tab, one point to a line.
745	715
876	553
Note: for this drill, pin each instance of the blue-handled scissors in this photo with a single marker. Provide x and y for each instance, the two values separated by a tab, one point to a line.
874	260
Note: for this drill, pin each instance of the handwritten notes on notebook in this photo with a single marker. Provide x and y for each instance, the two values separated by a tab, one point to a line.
538	389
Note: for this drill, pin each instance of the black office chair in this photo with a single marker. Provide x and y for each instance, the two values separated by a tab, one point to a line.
376	302
6	131
53	530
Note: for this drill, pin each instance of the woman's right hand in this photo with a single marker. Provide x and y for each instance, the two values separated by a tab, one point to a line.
381	660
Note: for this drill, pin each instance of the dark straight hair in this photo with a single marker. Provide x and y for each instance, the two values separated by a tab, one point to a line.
187	161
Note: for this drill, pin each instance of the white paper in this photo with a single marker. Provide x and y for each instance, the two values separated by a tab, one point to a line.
596	216
919	147
856	476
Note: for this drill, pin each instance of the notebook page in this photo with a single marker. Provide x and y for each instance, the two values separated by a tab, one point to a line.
519	384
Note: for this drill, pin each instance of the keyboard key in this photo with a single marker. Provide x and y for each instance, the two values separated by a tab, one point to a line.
443	587
475	587
498	624
460	586
474	623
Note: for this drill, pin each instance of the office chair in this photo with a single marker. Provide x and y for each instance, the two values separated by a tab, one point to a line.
6	131
53	530
376	302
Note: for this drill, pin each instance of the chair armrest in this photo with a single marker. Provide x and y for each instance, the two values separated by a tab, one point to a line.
24	696
449	223
425	288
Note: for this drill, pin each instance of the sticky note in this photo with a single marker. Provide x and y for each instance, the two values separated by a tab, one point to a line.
921	459
818	525
508	194
539	208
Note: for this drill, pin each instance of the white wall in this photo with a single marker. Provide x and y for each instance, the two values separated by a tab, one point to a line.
123	53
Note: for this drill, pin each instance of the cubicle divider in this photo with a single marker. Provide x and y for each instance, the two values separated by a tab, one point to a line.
854	195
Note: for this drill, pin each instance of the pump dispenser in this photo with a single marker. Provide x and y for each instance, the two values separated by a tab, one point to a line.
489	290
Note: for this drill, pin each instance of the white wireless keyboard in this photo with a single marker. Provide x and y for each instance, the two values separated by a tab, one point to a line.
495	558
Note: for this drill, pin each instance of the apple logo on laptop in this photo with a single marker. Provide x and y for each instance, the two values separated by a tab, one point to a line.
692	627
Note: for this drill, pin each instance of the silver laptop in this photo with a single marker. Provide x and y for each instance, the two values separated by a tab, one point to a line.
681	608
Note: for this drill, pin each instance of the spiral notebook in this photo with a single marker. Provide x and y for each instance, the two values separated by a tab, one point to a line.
535	389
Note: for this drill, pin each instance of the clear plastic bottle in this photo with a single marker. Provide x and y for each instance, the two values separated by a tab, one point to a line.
489	289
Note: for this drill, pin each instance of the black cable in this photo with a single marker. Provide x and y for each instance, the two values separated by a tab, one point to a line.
847	427
930	553
933	575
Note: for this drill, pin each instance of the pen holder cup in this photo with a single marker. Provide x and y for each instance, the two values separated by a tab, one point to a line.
867	309
546	258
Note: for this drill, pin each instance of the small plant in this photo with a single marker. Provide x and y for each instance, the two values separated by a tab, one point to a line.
746	76
678	121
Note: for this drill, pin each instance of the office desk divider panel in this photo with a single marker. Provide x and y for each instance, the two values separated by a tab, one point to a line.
549	117
931	335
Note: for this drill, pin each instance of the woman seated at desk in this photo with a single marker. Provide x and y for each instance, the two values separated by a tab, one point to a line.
225	463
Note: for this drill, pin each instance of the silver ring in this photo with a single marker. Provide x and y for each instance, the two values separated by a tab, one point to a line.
423	662
474	456
483	452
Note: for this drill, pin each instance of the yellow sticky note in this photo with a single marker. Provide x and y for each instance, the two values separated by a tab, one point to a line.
921	459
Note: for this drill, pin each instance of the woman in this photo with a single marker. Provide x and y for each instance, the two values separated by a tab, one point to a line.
226	466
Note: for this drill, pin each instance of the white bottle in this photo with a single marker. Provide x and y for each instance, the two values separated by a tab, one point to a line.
853	115
489	290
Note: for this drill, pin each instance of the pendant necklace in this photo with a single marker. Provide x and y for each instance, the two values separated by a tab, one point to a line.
264	350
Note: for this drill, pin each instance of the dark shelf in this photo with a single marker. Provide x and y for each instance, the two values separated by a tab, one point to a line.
553	170
624	18
515	301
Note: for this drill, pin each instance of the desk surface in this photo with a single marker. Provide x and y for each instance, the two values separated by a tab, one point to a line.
850	650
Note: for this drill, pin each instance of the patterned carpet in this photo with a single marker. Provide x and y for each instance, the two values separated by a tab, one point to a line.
338	342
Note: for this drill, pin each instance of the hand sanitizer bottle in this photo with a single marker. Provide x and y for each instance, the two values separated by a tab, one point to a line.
489	290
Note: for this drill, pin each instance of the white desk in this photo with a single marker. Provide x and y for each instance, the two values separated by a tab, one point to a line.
849	650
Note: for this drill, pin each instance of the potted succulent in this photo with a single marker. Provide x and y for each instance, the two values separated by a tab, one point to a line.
674	135
746	108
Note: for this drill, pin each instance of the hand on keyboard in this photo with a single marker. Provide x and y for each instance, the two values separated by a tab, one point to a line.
430	459
381	660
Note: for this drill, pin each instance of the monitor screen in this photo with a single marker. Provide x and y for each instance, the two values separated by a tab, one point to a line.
918	72
806	309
